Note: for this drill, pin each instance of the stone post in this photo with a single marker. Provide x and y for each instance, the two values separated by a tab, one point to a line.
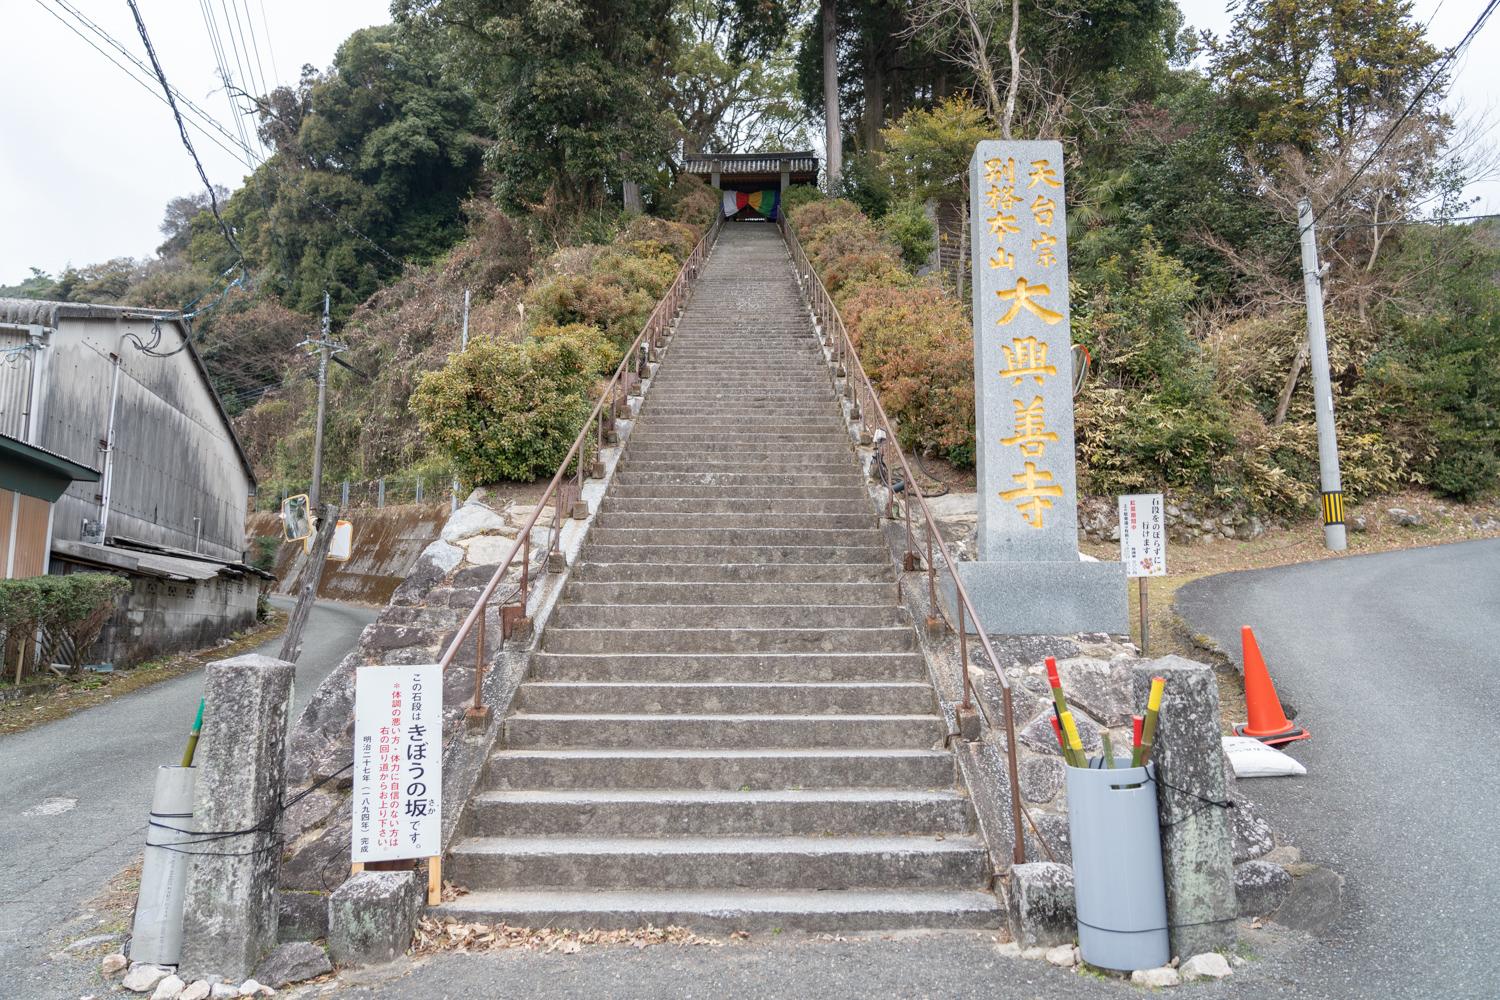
230	914
1197	848
1027	578
786	180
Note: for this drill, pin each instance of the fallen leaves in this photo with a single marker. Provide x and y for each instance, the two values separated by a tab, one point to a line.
455	935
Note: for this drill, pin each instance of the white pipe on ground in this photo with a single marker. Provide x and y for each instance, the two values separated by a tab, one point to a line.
157	935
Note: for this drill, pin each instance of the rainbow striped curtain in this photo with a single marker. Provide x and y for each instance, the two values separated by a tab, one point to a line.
763	202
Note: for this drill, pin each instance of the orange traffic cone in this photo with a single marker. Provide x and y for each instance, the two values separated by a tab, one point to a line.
1268	723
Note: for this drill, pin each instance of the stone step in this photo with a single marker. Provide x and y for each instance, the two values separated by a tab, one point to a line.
731	862
690	439
557	729
719	769
679	519
773	536
729	698
678	812
741	554
780	506
775	480
591	571
726	457
690	592
887	639
722	667
721	911
636	617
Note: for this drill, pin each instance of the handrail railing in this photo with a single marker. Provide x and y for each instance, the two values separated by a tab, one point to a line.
862	395
561	490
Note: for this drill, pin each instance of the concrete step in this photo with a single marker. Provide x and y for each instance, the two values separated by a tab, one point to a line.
887	639
822	463
734	666
771	536
780	506
677	812
650	730
730	862
720	769
692	440
751	554
723	594
640	617
720	911
774	481
602	571
731	698
682	520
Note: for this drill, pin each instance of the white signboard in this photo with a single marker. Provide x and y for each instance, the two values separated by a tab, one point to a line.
398	762
342	546
1143	534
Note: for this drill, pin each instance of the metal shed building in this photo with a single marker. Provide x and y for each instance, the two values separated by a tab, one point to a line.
123	391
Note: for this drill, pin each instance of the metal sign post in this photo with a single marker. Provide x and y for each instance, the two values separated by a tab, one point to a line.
1143	546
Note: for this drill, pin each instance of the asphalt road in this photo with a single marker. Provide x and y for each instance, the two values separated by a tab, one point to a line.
1391	661
78	789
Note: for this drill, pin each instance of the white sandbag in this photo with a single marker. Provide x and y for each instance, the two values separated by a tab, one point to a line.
1251	758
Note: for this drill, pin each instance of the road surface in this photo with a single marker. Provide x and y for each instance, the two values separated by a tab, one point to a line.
1391	661
78	789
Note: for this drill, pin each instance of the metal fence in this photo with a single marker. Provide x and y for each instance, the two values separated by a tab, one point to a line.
383	492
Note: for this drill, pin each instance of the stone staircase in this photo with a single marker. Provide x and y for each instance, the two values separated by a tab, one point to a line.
728	723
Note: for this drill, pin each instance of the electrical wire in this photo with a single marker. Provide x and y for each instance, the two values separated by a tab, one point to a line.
150	87
1437	73
187	141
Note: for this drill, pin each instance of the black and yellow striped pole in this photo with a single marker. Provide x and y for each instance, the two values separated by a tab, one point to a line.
1331	485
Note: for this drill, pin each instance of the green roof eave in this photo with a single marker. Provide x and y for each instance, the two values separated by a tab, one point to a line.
37	472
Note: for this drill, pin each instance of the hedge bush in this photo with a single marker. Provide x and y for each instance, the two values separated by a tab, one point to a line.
75	606
504	411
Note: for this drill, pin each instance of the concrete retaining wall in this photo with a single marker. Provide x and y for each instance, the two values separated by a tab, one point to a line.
387	542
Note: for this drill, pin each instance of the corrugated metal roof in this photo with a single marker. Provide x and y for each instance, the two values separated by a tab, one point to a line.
40	312
147	563
52	454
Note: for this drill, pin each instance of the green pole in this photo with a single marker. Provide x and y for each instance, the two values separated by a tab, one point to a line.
192	744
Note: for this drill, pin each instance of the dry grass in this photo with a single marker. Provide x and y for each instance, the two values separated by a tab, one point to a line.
94	689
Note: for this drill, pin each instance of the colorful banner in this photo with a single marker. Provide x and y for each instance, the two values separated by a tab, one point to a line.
763	202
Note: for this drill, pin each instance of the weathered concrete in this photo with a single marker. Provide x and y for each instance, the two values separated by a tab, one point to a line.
1315	901
1196	836
1260	887
371	916
292	962
1039	899
1046	598
231	911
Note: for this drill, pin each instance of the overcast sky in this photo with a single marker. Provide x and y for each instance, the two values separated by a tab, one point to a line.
89	158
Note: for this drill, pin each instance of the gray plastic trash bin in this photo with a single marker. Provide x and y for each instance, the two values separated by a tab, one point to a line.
1117	877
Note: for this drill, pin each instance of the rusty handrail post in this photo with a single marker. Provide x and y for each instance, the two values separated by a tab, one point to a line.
558	487
525	570
843	350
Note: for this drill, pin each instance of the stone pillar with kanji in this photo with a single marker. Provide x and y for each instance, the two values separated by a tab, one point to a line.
1028	578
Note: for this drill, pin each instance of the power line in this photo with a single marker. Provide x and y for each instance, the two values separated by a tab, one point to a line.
270	45
150	87
187	141
1436	74
144	70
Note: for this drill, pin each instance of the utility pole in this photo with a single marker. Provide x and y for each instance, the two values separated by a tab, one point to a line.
465	341
327	516
1330	482
327	348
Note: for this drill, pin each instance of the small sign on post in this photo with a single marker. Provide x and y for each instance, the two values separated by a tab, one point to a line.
1143	543
398	767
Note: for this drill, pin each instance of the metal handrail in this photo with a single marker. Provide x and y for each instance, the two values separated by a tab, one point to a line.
559	491
862	395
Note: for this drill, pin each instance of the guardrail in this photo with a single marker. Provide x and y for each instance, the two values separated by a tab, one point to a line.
566	491
861	393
